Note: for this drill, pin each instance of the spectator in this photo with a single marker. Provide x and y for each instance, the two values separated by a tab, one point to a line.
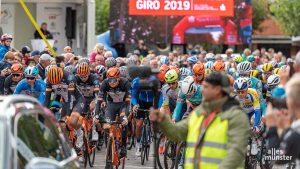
98	49
31	62
5	71
6	40
190	49
68	49
69	59
142	48
100	60
44	61
36	56
18	57
44	30
297	63
229	53
108	54
26	53
154	64
60	61
263	51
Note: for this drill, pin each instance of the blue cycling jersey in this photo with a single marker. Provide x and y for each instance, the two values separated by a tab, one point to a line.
37	91
196	99
3	51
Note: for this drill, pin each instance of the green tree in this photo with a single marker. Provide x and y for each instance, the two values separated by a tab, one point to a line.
102	15
287	13
260	12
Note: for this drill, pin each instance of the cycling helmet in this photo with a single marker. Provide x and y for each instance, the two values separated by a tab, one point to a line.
110	62
219	66
164	60
238	59
250	58
113	72
70	69
231	71
84	60
241	84
281	64
192	60
48	67
162	72
274	64
273	81
5	37
83	69
55	75
17	68
188	86
31	71
276	71
244	67
209	65
99	69
210	57
123	71
184	72
254	73
267	67
198	68
171	76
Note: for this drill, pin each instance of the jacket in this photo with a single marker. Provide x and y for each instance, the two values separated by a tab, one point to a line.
3	51
238	129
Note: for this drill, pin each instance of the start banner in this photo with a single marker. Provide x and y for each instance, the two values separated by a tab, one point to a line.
181	7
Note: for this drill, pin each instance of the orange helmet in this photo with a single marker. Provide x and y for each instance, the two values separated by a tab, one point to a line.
219	66
55	74
198	68
162	71
17	68
113	72
83	69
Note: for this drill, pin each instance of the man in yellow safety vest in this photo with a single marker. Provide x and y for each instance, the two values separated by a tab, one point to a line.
216	132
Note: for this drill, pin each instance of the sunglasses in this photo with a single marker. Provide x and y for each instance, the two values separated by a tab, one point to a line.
16	75
83	77
30	78
112	80
171	84
198	75
241	91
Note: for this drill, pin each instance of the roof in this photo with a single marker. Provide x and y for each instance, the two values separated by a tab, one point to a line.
269	27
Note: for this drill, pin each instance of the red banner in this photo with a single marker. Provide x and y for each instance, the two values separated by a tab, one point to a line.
181	7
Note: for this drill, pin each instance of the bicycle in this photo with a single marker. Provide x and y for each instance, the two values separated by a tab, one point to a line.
169	153
113	144
146	137
131	128
179	159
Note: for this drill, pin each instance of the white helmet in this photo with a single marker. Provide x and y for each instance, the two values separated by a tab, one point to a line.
273	81
241	84
188	86
209	57
244	67
209	65
184	72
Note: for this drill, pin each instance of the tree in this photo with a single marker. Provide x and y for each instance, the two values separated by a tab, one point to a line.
102	15
287	13
260	12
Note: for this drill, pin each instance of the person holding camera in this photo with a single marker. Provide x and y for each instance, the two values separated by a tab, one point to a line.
5	69
216	132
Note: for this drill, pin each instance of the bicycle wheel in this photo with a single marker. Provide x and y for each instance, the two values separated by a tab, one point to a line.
132	138
179	159
170	155
86	153
158	156
93	153
144	145
108	156
149	137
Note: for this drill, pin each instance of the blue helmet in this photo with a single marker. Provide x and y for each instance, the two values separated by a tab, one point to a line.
184	72
192	60
209	65
231	71
100	69
164	60
241	84
31	71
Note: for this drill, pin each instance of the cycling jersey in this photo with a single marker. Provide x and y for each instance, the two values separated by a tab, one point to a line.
143	95
62	92
195	100
9	85
37	91
251	104
169	96
117	94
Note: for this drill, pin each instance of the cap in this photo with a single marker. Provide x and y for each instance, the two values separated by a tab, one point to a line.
219	79
45	57
25	50
35	52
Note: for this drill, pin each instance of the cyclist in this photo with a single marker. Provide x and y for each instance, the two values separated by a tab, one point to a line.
31	85
190	93
5	44
184	72
59	88
273	82
99	72
219	66
249	100
115	94
86	90
12	80
199	73
267	69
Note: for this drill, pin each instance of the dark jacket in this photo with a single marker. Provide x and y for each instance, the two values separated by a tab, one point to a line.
47	34
3	65
41	71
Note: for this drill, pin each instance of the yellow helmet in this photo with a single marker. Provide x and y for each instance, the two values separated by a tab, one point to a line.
276	71
267	67
254	73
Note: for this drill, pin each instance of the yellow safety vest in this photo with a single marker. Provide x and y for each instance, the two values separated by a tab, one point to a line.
214	145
